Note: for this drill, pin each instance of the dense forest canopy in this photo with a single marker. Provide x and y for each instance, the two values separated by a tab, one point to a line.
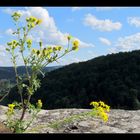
114	79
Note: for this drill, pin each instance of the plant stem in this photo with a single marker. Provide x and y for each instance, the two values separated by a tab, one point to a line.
17	79
31	121
28	76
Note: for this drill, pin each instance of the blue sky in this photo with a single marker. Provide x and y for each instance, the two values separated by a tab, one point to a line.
100	30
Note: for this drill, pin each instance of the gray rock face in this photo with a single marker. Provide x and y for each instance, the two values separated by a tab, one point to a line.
48	121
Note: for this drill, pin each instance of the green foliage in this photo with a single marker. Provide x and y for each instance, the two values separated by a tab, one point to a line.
60	123
100	109
36	60
108	78
15	124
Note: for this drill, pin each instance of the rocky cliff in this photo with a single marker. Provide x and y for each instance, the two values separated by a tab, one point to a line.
120	121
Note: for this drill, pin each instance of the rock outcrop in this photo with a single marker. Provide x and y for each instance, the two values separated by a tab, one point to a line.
120	121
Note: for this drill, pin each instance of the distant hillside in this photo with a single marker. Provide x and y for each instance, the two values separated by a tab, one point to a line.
8	72
114	79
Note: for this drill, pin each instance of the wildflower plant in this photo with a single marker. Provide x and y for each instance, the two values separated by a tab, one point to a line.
36	60
100	109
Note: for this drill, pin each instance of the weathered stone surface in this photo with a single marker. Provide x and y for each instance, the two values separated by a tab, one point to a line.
120	121
4	129
137	130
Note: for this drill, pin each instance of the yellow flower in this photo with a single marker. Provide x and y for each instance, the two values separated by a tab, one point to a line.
10	109
59	48
95	104
50	50
101	108
32	19
39	104
101	103
69	37
44	51
13	44
104	116
11	105
27	19
16	16
55	48
107	108
34	51
29	41
38	21
75	45
32	25
48	56
38	52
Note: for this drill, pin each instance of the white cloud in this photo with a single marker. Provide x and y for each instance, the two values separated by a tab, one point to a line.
2	54
105	41
101	25
68	61
4	58
134	21
112	50
85	45
7	10
2	48
47	30
11	10
128	43
9	32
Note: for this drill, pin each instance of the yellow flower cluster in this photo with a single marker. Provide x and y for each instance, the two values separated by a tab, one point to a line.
101	108
32	21
45	52
13	44
16	16
11	109
39	104
29	43
57	48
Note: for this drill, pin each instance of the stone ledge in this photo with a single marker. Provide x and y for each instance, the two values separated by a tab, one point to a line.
120	121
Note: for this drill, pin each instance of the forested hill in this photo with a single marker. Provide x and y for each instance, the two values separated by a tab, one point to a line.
9	73
114	79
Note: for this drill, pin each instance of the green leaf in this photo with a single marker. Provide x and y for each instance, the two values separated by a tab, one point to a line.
23	85
7	49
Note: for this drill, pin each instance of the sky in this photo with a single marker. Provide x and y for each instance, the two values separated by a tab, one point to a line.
99	30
